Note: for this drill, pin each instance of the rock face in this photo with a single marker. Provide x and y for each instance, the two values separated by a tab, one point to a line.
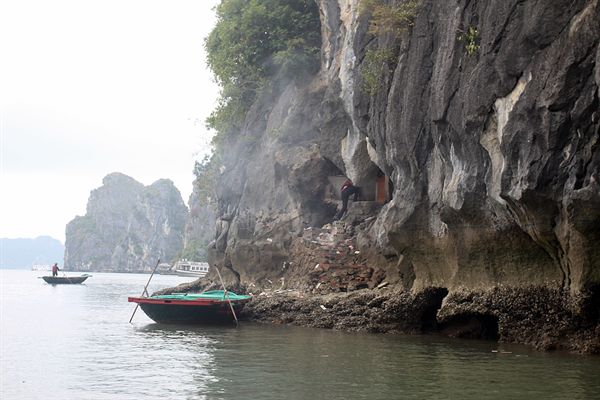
199	227
127	227
492	157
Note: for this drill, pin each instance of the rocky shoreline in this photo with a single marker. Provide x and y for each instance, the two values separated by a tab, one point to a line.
540	317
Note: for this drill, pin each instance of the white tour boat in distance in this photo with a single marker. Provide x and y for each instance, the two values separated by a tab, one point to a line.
41	267
185	267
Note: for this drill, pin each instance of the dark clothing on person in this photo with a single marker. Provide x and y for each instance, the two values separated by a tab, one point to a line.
348	189
55	270
346	184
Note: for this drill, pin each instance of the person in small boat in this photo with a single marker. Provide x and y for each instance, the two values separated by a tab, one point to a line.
348	189
55	269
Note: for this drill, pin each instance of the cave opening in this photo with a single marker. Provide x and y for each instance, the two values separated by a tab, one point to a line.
474	325
590	306
434	303
375	185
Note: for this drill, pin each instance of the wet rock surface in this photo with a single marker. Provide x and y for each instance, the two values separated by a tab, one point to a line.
375	310
544	318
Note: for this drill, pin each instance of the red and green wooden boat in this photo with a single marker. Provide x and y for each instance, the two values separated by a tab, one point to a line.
65	280
210	307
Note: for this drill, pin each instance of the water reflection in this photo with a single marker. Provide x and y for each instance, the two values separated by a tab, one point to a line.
298	363
188	355
75	342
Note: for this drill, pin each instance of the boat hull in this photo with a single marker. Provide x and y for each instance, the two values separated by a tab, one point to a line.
64	280
189	312
190	274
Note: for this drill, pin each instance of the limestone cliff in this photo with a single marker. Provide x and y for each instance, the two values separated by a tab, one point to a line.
490	156
199	228
127	227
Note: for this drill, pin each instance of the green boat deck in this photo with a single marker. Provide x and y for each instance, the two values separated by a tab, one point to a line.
211	294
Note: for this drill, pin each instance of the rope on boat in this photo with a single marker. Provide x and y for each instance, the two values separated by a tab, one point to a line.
237	323
145	291
66	277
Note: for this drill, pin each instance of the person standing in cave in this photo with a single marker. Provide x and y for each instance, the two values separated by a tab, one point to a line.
348	189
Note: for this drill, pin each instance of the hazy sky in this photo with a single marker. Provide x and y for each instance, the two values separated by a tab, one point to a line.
92	87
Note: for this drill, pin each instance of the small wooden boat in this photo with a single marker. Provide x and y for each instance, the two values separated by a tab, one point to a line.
66	280
209	307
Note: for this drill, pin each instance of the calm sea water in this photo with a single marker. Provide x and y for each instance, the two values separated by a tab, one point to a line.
75	342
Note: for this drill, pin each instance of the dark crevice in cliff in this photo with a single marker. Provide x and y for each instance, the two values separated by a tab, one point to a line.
495	47
429	321
576	76
590	307
444	118
472	326
227	264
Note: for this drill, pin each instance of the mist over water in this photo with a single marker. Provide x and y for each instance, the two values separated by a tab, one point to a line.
74	342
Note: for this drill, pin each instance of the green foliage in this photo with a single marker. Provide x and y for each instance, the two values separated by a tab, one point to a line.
384	18
298	58
252	41
227	117
470	38
390	18
373	67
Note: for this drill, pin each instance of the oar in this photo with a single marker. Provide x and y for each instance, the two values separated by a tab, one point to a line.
66	277
226	295
145	290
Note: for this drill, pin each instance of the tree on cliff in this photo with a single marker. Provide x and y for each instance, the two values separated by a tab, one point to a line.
252	41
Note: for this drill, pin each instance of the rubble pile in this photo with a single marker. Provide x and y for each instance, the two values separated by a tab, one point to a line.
328	261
